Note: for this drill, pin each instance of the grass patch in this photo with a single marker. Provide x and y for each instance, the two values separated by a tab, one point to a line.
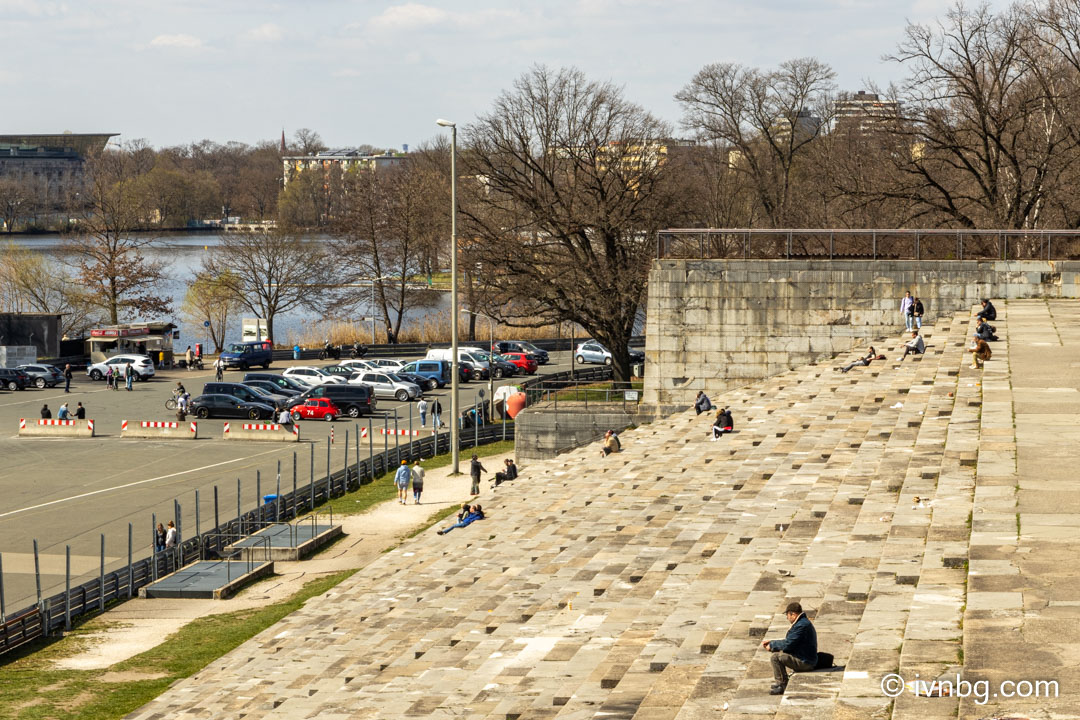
382	488
597	392
34	689
434	519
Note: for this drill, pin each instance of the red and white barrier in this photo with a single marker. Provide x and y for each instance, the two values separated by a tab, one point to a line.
401	431
159	429
49	427
363	432
266	432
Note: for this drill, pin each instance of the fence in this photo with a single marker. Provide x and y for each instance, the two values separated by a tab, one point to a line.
883	244
51	613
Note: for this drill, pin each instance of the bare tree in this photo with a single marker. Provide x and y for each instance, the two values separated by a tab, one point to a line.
211	299
106	250
270	273
764	121
308	142
14	199
569	188
35	282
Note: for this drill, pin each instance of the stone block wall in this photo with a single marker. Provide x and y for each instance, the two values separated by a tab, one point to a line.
717	324
542	433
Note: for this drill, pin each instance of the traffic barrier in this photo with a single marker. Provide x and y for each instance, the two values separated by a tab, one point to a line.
56	428
363	432
159	429
400	431
266	432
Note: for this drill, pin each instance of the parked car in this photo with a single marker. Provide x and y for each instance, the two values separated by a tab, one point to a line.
386	363
14	379
245	393
499	366
591	351
312	376
467	371
520	346
280	381
316	409
227	406
144	368
523	361
352	400
417	380
386	385
343	370
273	388
43	376
358	365
465	354
248	354
436	373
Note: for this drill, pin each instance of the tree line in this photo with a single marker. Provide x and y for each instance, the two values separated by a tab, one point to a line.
564	181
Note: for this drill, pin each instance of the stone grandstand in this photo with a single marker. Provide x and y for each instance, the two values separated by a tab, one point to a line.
640	585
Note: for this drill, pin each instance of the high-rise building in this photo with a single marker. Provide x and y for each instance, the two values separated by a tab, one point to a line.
48	165
864	111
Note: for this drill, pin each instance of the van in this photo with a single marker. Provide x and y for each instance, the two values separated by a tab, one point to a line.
245	393
248	354
469	355
437	372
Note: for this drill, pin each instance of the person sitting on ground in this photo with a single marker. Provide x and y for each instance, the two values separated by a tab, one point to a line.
980	352
46	413
285	418
611	444
722	424
985	330
864	360
914	346
466	508
62	413
476	513
988	312
510	473
797	651
702	403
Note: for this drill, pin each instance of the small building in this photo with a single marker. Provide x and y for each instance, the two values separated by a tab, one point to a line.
337	163
41	330
154	339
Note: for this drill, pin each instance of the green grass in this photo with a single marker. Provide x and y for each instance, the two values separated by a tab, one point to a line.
598	392
382	488
34	690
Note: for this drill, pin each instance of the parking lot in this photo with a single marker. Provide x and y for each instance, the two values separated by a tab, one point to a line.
68	491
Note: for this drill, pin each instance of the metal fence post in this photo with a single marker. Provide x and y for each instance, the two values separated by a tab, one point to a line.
295	510
67	587
345	466
198	518
217	521
328	467
239	513
371	449
101	577
37	573
410	435
356	434
386	437
277	499
131	571
311	480
154	545
3	605
258	501
397	441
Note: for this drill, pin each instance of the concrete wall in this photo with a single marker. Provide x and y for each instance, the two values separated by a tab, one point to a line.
15	355
541	433
717	324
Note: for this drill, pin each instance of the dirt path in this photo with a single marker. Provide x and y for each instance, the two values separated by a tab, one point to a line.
140	624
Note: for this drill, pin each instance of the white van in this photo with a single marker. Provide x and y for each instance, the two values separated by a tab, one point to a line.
465	354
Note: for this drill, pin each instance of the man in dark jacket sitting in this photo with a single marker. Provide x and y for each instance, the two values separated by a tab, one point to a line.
988	312
797	651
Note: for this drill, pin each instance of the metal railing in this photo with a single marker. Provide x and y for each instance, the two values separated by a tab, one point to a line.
874	244
580	393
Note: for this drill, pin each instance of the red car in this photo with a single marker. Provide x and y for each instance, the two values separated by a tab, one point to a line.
315	408
525	363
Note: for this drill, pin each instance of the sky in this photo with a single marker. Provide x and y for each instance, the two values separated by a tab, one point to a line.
380	72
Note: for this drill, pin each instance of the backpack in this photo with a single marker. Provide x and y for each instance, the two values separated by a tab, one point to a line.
825	661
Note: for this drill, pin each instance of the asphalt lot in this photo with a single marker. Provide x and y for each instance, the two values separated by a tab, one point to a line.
63	491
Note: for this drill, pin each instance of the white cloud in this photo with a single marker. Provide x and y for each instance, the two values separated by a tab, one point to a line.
268	32
186	42
408	17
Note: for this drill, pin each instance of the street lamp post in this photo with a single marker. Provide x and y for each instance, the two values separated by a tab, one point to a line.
454	428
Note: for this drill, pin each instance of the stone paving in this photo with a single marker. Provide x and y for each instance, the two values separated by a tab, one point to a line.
640	585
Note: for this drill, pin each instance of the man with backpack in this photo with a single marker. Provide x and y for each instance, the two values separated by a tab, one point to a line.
797	651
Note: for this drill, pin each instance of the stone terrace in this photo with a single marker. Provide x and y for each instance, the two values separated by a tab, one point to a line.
640	585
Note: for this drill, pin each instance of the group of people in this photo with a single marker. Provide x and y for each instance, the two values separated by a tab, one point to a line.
435	407
722	420
64	413
404	476
984	333
465	517
165	539
113	377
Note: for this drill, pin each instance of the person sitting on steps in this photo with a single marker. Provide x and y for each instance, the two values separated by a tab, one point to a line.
611	444
702	403
797	651
509	473
985	330
863	361
914	346
988	312
722	424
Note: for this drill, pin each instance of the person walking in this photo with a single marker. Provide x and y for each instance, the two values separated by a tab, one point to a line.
917	312
67	378
401	481
129	376
422	408
475	468
436	414
417	482
110	379
905	309
80	412
46	413
219	369
189	358
797	651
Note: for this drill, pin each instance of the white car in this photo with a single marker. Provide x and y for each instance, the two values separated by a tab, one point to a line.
387	386
358	365
143	367
385	364
312	376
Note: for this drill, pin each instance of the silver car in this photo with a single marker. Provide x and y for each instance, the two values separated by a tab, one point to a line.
591	351
387	386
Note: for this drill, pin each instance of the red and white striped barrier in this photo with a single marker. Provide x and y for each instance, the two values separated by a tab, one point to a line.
159	429
50	427
331	436
400	431
363	432
268	432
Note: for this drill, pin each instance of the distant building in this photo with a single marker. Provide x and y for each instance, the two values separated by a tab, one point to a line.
807	125
864	111
49	165
339	162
